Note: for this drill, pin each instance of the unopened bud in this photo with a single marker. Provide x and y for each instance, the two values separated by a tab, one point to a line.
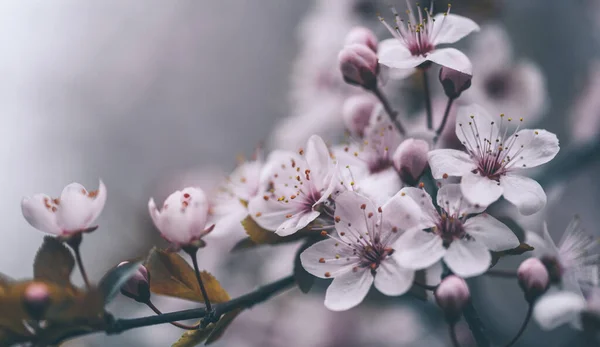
359	66
533	278
137	286
36	299
357	112
451	296
454	82
410	160
362	36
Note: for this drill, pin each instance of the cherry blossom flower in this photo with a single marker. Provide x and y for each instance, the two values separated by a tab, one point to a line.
364	250
462	240
75	211
560	307
300	186
415	40
183	217
575	263
492	161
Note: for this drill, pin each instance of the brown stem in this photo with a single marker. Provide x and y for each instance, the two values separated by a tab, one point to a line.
388	108
501	273
192	251
523	326
177	324
445	119
75	242
427	99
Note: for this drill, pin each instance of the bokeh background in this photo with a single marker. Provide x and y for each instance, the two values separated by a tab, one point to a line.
152	95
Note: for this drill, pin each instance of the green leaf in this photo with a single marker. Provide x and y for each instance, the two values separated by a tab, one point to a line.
171	275
221	325
258	236
304	280
193	338
53	262
115	278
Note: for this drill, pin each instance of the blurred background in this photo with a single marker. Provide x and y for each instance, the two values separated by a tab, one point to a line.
152	96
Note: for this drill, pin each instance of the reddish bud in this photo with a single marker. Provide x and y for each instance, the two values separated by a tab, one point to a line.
454	82
36	299
451	296
137	286
359	65
410	159
533	278
363	36
357	112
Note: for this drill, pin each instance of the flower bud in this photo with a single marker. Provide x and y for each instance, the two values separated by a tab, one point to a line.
362	36
454	82
359	66
410	159
137	286
533	278
357	112
451	296
36	299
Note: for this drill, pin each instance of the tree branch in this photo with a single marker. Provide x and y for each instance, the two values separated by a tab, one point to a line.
476	325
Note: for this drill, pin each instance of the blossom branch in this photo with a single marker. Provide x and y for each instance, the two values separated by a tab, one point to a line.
476	325
523	326
245	301
192	251
427	99
445	119
388	108
177	324
75	242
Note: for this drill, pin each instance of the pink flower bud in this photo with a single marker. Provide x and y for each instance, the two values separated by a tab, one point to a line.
36	299
362	36
359	65
454	82
410	159
357	112
533	278
451	296
137	286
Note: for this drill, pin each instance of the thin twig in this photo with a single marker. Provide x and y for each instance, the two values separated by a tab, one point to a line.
476	325
501	273
438	132
452	330
192	252
177	324
388	108
75	242
523	326
427	99
425	286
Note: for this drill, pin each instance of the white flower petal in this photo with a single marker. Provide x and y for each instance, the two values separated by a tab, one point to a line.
491	232
523	192
320	258
380	186
270	213
468	258
450	162
542	244
417	249
296	222
433	274
227	217
392	279
557	308
530	148
398	56
78	208
480	190
472	131
452	58
318	160
451	199
39	215
348	289
451	27
402	212
352	217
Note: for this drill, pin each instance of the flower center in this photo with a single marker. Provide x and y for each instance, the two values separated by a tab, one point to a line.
372	255
449	228
497	86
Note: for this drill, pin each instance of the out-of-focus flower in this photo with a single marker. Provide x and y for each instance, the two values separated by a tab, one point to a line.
362	36
415	41
463	242
451	296
410	159
503	84
183	217
230	204
454	82
575	263
489	167
299	185
559	307
36	299
533	278
585	116
137	286
73	212
357	112
358	64
363	252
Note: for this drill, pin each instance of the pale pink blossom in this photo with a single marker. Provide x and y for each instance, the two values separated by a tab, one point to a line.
358	65
363	36
410	159
459	234
183	217
533	278
491	166
416	39
452	295
363	251
357	113
73	212
299	188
